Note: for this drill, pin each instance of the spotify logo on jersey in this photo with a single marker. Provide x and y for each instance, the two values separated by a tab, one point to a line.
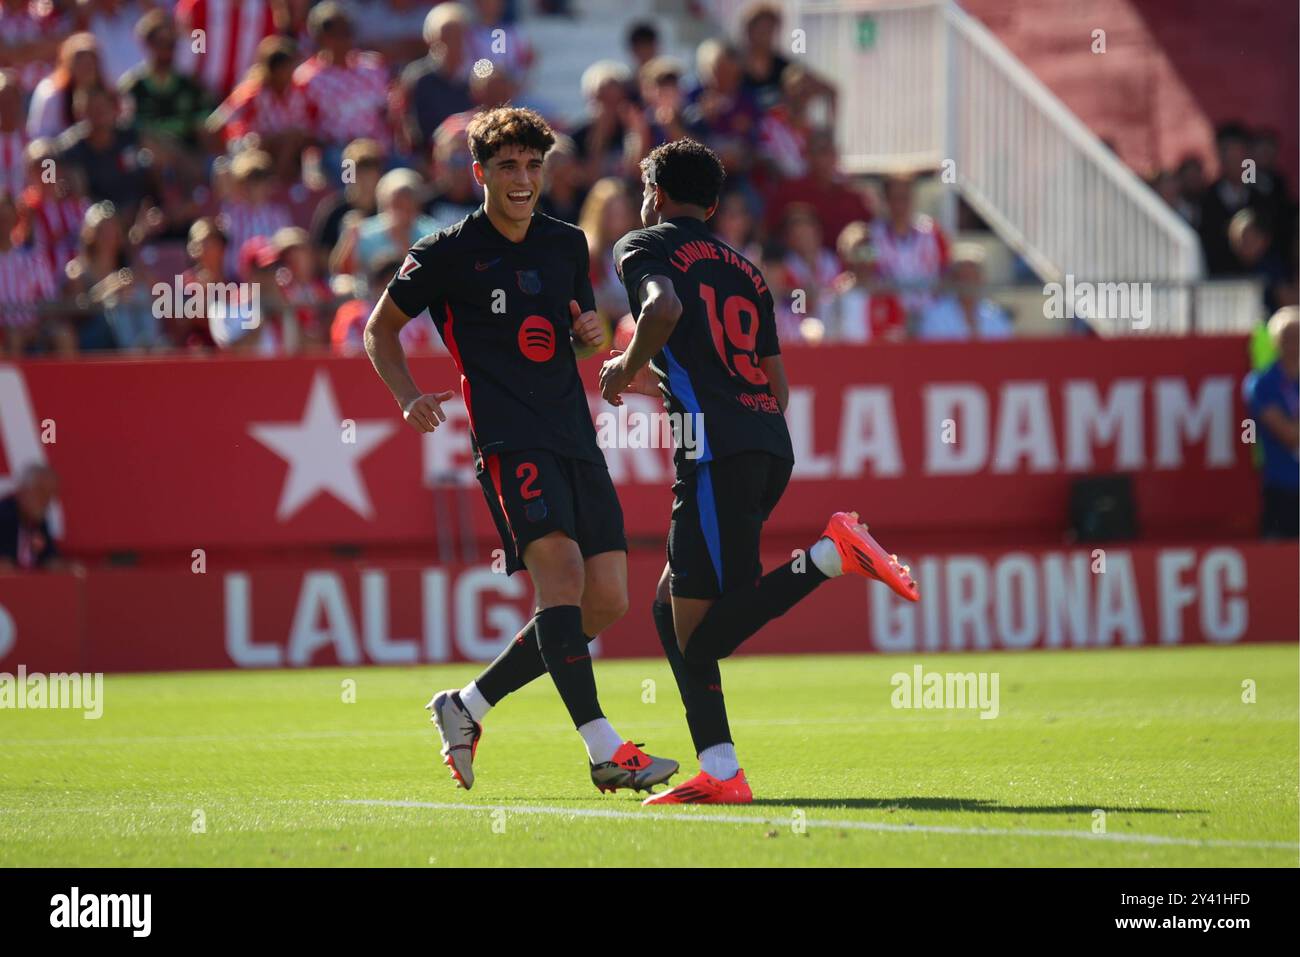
537	339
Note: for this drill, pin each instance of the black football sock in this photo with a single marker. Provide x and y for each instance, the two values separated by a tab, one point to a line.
566	656
519	663
741	612
700	686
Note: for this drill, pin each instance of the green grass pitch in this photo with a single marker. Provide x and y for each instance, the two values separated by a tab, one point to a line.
258	768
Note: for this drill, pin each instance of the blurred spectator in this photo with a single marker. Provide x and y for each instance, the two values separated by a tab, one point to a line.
642	43
663	103
435	86
785	128
964	313
722	108
456	193
363	164
824	188
391	27
912	250
13	136
347	332
30	35
806	277
227	46
25	539
563	194
79	70
270	106
206	247
306	298
113	23
610	117
861	311
111	304
393	230
763	65
1252	245
162	103
251	209
1168	187
1272	192
106	154
735	225
1191	186
346	88
1274	399
503	44
100	282
1227	196
488	88
50	208
25	282
608	214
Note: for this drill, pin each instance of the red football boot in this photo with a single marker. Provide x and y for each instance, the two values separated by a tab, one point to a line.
704	788
862	555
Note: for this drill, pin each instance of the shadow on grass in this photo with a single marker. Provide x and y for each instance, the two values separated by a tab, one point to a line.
973	805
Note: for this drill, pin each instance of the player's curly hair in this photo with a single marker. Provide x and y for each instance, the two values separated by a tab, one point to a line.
687	171
493	130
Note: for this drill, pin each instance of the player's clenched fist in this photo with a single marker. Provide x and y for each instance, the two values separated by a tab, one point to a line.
587	328
424	412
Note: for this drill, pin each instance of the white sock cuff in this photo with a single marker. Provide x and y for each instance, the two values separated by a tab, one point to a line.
601	739
720	761
826	557
474	702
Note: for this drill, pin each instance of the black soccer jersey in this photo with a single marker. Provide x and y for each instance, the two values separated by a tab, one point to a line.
710	365
502	308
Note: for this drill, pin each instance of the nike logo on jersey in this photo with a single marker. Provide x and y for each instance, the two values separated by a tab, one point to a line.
572	659
410	265
487	265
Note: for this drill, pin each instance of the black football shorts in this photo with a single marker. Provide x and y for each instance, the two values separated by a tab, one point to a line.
718	514
534	492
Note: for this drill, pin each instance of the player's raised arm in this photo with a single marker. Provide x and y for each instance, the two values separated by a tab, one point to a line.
422	410
660	310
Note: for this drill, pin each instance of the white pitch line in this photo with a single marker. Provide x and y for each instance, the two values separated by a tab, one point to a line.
843	825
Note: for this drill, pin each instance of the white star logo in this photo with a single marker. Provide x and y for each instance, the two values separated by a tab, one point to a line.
319	458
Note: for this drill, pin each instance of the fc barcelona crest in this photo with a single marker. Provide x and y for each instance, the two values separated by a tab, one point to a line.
530	281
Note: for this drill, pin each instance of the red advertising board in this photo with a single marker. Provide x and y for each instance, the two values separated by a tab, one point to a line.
332	613
948	442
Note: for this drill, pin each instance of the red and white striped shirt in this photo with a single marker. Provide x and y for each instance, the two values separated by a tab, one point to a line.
37	22
242	221
13	164
232	29
349	101
919	256
25	281
55	225
256	108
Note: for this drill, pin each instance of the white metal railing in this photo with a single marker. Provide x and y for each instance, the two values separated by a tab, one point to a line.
1047	183
923	85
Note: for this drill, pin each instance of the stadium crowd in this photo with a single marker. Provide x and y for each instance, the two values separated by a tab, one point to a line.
152	154
1246	216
